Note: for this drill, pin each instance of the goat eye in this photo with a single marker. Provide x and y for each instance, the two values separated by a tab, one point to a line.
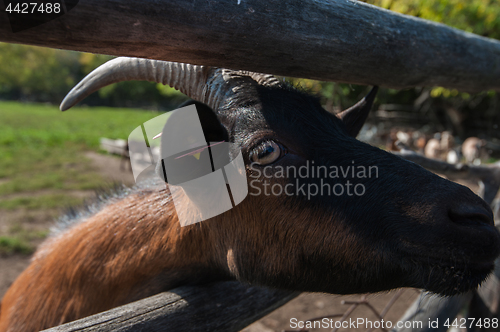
266	152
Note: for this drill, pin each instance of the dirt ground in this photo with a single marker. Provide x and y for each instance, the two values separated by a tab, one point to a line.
12	265
306	306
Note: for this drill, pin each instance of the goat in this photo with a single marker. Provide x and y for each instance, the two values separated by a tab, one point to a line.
433	149
420	142
473	149
440	146
447	141
410	228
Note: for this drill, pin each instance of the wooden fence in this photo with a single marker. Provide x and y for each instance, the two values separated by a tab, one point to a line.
221	307
339	40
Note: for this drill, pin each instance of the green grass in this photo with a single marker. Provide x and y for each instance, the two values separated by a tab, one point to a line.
42	160
41	147
19	240
48	201
9	245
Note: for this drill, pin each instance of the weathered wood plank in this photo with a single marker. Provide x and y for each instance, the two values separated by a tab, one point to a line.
113	146
224	306
340	40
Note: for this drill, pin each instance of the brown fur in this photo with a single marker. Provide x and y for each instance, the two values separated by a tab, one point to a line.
95	264
125	253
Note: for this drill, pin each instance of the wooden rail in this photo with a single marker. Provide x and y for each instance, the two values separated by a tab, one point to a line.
221	307
339	40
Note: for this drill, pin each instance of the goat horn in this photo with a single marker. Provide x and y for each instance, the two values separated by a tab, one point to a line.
264	79
208	85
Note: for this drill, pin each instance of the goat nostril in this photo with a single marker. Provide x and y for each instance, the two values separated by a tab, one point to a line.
471	215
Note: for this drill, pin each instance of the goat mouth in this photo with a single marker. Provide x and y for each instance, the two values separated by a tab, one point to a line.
450	279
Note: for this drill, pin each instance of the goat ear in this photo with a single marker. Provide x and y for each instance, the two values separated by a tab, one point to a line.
355	116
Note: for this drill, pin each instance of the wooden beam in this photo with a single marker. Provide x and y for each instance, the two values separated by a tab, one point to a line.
339	40
222	307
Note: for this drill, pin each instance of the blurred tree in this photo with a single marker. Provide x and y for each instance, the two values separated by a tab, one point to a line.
43	74
35	73
481	17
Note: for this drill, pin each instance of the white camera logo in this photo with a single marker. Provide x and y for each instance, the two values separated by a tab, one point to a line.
203	179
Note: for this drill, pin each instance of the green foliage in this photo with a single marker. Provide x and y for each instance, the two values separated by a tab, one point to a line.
43	74
36	71
89	61
481	17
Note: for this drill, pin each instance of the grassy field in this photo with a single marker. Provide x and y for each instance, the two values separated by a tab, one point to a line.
42	162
